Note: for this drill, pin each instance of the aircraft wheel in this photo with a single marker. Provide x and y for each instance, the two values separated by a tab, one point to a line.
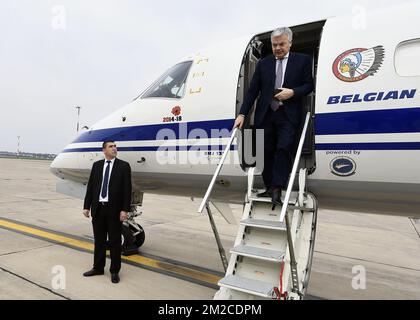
127	238
139	238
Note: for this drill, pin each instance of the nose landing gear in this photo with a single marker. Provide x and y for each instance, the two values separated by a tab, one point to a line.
132	235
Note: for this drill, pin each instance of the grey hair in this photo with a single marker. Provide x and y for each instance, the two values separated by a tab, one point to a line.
281	31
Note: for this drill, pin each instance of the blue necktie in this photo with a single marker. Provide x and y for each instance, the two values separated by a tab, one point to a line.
105	182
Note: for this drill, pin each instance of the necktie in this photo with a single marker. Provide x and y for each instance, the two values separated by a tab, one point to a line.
105	182
279	79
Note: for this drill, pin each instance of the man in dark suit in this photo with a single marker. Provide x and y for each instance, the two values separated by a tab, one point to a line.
281	80
108	199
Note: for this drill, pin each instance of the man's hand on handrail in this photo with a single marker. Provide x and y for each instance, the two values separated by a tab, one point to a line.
239	122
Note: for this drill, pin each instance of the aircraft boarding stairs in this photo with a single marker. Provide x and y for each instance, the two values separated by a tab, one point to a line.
272	254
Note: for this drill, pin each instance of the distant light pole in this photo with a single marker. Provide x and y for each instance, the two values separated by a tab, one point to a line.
78	117
18	145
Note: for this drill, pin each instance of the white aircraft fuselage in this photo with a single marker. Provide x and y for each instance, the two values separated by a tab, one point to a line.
364	143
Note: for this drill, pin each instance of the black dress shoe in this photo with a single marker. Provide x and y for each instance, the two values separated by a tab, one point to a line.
265	194
93	272
276	197
115	278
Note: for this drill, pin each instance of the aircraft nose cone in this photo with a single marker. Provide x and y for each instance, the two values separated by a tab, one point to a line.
54	163
64	163
54	166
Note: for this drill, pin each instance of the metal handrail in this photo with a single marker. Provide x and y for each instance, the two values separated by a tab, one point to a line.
294	169
216	173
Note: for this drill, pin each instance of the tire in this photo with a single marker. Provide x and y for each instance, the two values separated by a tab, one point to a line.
127	238
139	239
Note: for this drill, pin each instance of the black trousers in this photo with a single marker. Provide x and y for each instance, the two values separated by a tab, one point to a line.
106	223
279	140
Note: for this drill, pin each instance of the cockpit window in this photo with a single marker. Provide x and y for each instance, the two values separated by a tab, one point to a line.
171	84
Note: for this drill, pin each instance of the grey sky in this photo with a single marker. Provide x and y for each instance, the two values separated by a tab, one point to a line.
109	51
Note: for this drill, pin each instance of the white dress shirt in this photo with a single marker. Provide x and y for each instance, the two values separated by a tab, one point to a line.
103	177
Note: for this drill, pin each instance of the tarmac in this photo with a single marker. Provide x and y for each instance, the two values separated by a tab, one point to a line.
46	245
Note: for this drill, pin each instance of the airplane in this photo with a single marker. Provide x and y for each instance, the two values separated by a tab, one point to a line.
358	150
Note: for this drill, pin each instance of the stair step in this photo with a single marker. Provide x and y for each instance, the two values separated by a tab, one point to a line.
268	200
264	224
250	286
258	253
292	199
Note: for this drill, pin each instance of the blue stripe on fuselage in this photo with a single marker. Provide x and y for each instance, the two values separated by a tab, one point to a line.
369	146
150	132
354	122
156	148
405	120
366	122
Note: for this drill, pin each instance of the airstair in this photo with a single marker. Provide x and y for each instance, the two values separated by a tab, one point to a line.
272	254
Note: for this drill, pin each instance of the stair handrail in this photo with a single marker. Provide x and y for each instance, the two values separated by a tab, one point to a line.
294	169
216	173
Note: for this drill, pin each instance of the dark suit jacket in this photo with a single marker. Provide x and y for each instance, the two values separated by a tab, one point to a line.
119	189
298	76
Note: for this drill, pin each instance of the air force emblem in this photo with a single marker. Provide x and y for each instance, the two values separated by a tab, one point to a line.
358	63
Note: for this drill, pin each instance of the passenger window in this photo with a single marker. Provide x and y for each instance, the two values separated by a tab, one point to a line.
171	84
406	58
